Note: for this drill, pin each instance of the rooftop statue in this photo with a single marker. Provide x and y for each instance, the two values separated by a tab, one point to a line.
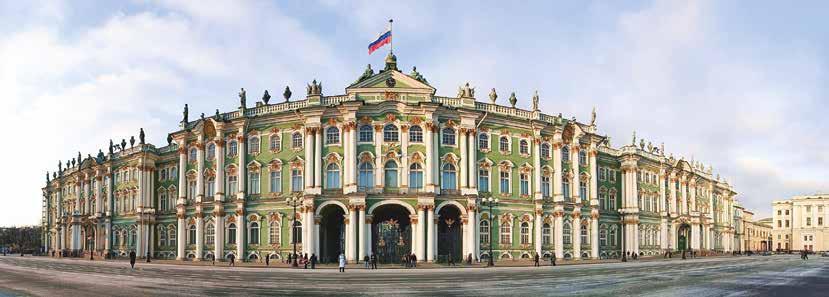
287	94
132	141
634	138
123	144
366	74
100	156
202	116
493	96
217	115
79	159
141	136
60	166
662	148
512	99
642	143
169	139
54	175
535	101
186	113
315	88
242	98
265	98
416	75
110	147
593	117
650	147
466	92
47	176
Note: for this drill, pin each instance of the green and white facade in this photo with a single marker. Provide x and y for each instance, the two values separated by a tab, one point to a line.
387	168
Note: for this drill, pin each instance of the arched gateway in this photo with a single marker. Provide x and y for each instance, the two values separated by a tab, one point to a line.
391	233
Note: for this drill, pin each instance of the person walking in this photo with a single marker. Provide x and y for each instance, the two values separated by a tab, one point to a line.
268	260
232	258
367	262
132	259
535	259
553	259
305	261
313	261
373	260
342	262
414	260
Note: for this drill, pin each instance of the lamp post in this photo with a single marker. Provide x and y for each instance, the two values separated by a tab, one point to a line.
89	243
490	202
294	201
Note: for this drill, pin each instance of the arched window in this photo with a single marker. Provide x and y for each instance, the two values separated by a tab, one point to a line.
253	145
332	135
274	233
449	181
612	236
296	233
253	233
504	181
209	234
603	204
133	237
276	181
567	233
448	136
524	180
296	140
366	177
231	234
503	144
162	236
171	235
523	147
191	237
584	240
483	179
211	151
484	231
332	176
483	141
391	174
525	233
232	148
296	180
253	182
545	234
603	236
545	150
193	154
565	153
276	142
416	176
416	134
506	233
612	197
162	199
366	133
390	133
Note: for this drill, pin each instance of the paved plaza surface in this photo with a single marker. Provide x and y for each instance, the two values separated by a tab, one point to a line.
779	275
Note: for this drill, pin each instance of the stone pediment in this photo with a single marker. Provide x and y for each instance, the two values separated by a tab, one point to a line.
390	81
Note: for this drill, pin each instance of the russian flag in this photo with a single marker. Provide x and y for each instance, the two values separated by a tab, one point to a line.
382	40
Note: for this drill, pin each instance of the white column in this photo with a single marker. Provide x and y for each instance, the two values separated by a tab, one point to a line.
353	222
466	235
473	228
346	169
180	238
368	222
378	157
594	235
309	159
463	170
684	193
663	233
99	199
430	234
404	158
558	194
575	183
318	163
349	232
537	169
576	236
199	237
353	156
537	225
430	182
558	234
316	224
241	231
472	157
361	224
200	170
421	224
108	236
436	160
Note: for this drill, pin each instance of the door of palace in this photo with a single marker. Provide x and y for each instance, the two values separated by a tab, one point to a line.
393	241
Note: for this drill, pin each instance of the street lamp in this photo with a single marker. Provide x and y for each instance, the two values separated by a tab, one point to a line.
89	243
490	201
294	201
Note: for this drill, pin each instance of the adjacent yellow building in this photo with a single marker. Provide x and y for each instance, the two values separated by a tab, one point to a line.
800	223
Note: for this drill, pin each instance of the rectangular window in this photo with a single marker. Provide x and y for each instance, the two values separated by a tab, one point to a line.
276	181
253	183
602	174
820	221
545	186
808	208
296	180
483	180
565	186
808	221
366	134
504	182
415	135
583	190
525	184
612	175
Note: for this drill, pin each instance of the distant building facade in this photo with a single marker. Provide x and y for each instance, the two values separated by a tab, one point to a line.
388	168
799	223
753	235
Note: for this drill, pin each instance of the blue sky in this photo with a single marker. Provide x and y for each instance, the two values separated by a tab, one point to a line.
739	85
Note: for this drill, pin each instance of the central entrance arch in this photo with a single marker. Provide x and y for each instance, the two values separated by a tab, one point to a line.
332	233
449	233
391	233
682	239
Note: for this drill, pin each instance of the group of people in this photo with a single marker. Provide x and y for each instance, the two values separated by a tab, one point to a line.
303	260
804	255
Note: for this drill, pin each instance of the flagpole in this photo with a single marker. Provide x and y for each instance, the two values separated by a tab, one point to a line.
391	42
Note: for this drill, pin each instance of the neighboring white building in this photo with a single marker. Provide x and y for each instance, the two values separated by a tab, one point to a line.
800	223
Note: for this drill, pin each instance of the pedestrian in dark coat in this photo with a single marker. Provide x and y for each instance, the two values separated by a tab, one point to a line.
132	259
414	260
535	260
305	261
232	258
268	260
313	261
373	260
553	259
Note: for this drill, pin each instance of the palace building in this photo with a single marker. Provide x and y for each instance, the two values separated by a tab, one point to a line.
388	168
800	223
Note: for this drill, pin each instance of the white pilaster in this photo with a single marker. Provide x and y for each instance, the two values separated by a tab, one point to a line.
361	223
430	234
199	238
317	164
353	222
421	224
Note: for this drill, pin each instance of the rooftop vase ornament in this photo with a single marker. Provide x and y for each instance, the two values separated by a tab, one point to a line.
185	113
132	141
535	101
54	175
266	97
60	166
141	136
287	94
73	162
493	96
242	98
512	99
